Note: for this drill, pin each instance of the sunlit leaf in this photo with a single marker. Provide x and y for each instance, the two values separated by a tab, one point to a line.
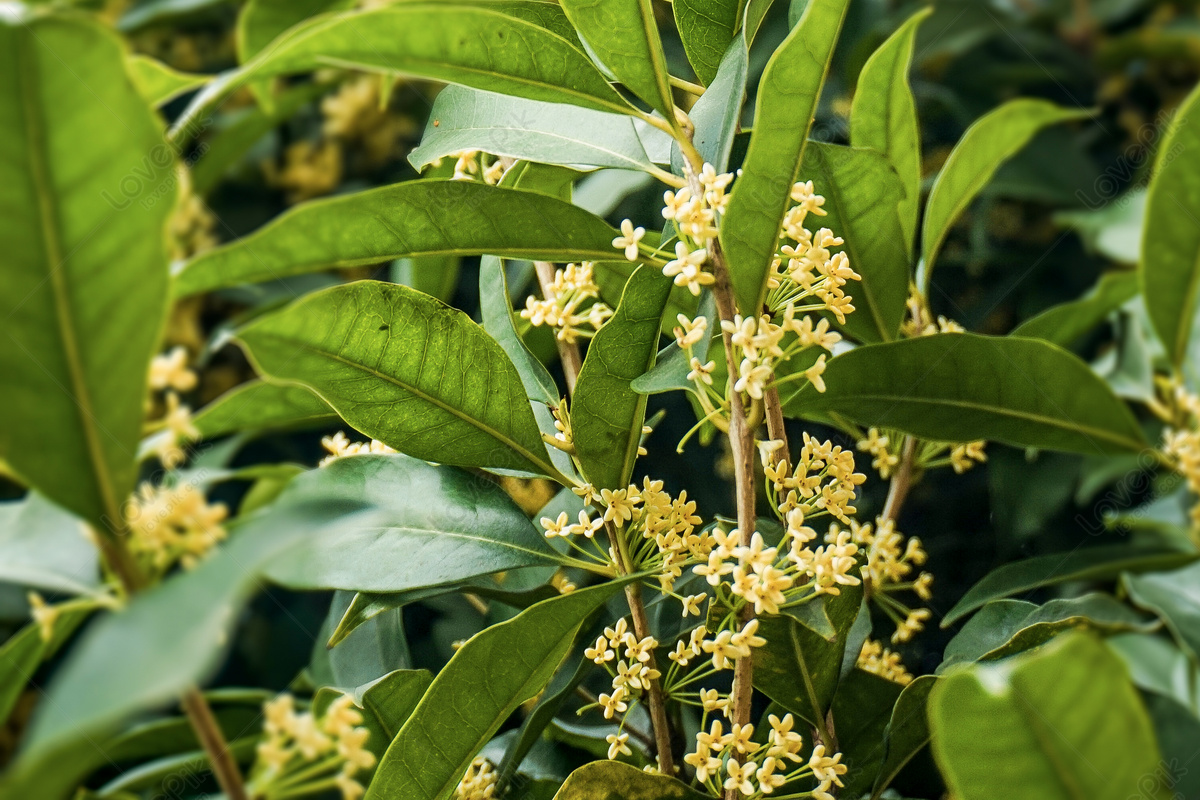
258	405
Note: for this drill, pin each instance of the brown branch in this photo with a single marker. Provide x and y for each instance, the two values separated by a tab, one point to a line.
775	425
901	481
568	352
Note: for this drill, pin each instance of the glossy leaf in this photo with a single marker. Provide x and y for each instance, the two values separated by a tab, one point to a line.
1175	597
44	547
548	133
498	48
1066	323
84	234
376	649
989	142
962	387
1089	564
604	780
799	669
883	117
1005	627
406	369
261	21
416	218
787	101
497	318
606	413
707	29
1041	727
862	194
672	366
568	678
862	709
907	732
258	405
488	677
142	657
1170	264
158	83
437	525
623	36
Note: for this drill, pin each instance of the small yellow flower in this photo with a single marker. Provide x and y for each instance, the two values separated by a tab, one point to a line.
628	240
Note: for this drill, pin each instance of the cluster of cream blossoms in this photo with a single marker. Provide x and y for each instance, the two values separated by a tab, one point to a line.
878	660
479	782
734	761
571	304
885	447
171	525
472	165
170	374
1181	440
303	754
339	446
891	560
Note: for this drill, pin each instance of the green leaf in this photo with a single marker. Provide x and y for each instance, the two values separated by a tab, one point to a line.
1175	597
388	703
258	405
261	21
491	48
862	193
25	651
862	708
798	668
1115	230
1064	724
787	102
377	648
1005	627
44	547
989	142
548	133
707	30
497	318
1177	729
436	526
406	369
142	657
606	413
485	681
607	780
883	117
1090	564
436	276
1170	265
416	218
960	387
672	366
623	37
157	83
525	738
1067	323
84	234
907	732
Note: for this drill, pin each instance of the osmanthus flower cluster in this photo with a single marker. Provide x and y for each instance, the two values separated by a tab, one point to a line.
171	525
1180	410
479	782
878	660
303	754
571	304
339	446
170	375
886	449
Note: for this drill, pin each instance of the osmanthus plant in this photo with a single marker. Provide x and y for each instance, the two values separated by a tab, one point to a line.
734	658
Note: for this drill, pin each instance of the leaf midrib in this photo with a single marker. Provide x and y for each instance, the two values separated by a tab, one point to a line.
39	169
442	534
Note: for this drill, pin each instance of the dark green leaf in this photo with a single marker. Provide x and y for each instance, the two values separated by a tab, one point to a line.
405	369
1170	265
562	687
83	235
497	320
417	218
989	142
607	780
961	387
1063	724
606	413
1065	324
884	118
799	669
548	133
787	101
623	37
862	708
707	30
907	732
436	526
489	676
862	193
671	369
258	405
1177	729
1090	564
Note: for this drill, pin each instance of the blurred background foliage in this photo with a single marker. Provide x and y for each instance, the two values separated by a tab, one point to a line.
1064	212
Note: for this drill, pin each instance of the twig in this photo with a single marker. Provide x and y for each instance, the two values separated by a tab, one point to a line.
775	425
901	481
